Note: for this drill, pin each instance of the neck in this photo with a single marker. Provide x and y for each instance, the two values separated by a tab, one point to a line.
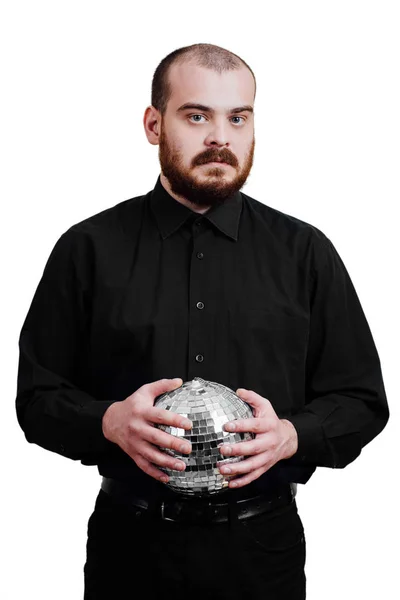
165	183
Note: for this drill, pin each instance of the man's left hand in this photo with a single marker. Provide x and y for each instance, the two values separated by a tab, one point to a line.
275	439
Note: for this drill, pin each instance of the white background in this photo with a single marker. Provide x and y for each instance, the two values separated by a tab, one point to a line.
76	80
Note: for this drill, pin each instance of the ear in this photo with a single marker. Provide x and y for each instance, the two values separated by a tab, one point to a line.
151	125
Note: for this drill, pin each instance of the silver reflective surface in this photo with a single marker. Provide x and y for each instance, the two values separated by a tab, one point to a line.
208	405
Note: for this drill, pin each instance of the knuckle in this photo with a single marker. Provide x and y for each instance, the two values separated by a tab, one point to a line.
147	467
150	455
256	448
132	426
176	443
141	462
137	451
154	437
172	463
149	470
258	426
134	401
157	415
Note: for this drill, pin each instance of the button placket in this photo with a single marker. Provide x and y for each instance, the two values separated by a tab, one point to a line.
196	289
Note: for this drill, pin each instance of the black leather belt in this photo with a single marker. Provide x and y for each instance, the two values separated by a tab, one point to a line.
199	510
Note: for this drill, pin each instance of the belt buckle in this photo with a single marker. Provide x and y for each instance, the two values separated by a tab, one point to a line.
204	518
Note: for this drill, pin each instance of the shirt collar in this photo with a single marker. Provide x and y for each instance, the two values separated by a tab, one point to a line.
171	214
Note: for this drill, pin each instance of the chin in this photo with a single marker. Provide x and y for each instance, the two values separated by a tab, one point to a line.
215	172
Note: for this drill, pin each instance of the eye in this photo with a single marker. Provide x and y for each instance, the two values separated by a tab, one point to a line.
234	117
191	116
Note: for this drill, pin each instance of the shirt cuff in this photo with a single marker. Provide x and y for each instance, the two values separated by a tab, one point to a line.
91	420
312	447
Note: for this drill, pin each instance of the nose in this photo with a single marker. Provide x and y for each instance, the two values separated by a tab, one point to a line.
218	135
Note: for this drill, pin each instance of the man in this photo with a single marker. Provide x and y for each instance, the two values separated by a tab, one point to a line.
196	278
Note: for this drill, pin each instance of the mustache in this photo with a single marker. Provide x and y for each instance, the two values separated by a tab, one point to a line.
223	156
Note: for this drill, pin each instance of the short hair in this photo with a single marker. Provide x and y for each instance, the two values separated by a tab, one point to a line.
204	55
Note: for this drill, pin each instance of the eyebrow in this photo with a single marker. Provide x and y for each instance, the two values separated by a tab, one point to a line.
210	110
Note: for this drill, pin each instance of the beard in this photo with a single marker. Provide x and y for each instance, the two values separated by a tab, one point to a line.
216	184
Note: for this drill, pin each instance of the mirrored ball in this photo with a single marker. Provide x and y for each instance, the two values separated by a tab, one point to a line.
209	405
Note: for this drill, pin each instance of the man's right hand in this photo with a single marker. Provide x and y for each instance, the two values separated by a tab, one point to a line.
130	424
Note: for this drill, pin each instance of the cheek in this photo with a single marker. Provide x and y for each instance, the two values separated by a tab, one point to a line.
186	151
242	154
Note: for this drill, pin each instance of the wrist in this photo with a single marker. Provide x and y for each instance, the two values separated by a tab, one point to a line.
292	438
105	423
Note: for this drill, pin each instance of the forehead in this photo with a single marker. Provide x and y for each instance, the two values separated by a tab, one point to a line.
191	83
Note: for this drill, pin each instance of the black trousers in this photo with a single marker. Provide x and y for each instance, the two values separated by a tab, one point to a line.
132	555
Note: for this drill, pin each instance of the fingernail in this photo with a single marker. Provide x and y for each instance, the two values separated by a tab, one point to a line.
164	479
185	448
226	470
226	450
230	426
186	424
179	466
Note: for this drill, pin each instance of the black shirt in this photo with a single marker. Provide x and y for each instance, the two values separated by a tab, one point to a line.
243	295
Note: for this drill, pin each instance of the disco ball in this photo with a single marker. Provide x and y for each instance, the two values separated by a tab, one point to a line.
208	405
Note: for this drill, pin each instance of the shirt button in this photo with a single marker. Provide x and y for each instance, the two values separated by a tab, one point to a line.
200	255
199	358
200	305
62	448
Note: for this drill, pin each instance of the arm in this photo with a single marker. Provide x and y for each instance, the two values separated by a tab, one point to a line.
346	405
52	407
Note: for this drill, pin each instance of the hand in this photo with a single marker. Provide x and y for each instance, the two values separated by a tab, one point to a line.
130	424
275	439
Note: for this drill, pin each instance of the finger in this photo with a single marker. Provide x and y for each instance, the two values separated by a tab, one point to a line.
244	466
255	425
259	403
161	459
150	469
161	386
161	416
239	482
166	440
244	448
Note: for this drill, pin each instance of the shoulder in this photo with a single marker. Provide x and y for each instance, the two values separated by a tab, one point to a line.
122	216
103	228
286	231
99	234
285	222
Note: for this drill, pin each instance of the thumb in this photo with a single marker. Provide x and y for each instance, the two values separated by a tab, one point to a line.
156	388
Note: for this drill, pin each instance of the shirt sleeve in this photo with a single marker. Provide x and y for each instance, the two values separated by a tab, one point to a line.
53	409
345	400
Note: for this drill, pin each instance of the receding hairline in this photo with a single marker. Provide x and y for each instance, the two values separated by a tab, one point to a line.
218	60
190	59
208	56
